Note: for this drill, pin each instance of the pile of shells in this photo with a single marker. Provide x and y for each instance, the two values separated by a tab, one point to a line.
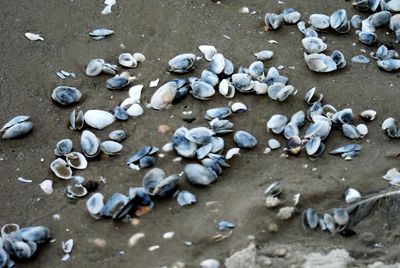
17	127
20	243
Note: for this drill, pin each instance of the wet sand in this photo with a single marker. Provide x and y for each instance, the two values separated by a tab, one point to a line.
161	30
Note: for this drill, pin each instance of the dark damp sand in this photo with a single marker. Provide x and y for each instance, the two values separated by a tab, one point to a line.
160	30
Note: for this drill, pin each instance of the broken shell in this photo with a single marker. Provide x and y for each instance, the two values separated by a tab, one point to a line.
186	198
98	119
95	205
231	152
66	95
76	160
285	213
33	37
272	202
90	144
61	169
47	186
199	175
127	60
67	246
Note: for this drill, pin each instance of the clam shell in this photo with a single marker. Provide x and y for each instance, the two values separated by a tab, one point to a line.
274	144
256	70
362	130
313	45
186	198
220	113
226	89
351	195
298	118
135	93
341	216
139	154
66	95
242	82
139	57
76	160
76	190
368	115
9	228
114	204
367	38
94	67
244	139
208	51
238	107
319	21
167	185
14	121
152	178
98	119
61	169
164	95
379	19
127	60
389	65
202	90
76	121
183	63
310	218
264	55
135	110
47	186
338	58
291	16
182	145
350	131
273	190
277	123
260	88
200	135
17	130
217	63
63	147
320	63
120	114
210	78
199	175
90	144
95	205
118	135
111	147
117	82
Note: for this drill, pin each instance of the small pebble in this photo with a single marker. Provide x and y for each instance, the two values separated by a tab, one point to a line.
169	235
273	228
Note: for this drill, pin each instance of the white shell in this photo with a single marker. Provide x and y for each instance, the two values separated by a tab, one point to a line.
368	114
135	110
135	93
210	263
94	67
61	169
164	96
273	144
352	195
225	89
98	119
208	51
232	152
238	107
95	210
82	163
362	130
139	57
47	186
111	147
126	103
260	88
67	246
169	235
34	37
154	83
135	239
127	60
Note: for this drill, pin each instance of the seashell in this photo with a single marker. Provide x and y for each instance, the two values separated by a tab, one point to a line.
225	225
208	51
229	68
298	118
311	96
202	90
186	198
221	126
217	63
98	119
111	147
8	229
76	160
368	115
291	16
301	26
310	218
94	67
362	5
285	213
238	107
90	144
118	82
126	103
341	216
231	152
220	113
338	58
118	135
76	190
379	19
273	21
256	70
312	145
264	55
16	127
95	205
113	205
140	153
182	145
110	68
199	135
388	123
67	246
14	121
277	123
66	95
167	185
320	128
320	63
393	5
273	144
4	258
380	53
199	175
164	95
290	130
153	178
350	131
147	161
20	249
135	110
329	222
76	121
389	65
61	169
294	145
394	23
367	38
226	89
360	59
356	21
120	114
127	60
242	82
352	195
99	34
210	78
244	139
314	110
319	21
139	57
339	22
273	190
217	145
362	130
33	37
210	263
63	147
181	93
203	151
344	116
285	92
260	88
346	148
313	45
183	63
47	186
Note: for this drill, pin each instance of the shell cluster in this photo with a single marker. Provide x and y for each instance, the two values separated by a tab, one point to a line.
20	243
